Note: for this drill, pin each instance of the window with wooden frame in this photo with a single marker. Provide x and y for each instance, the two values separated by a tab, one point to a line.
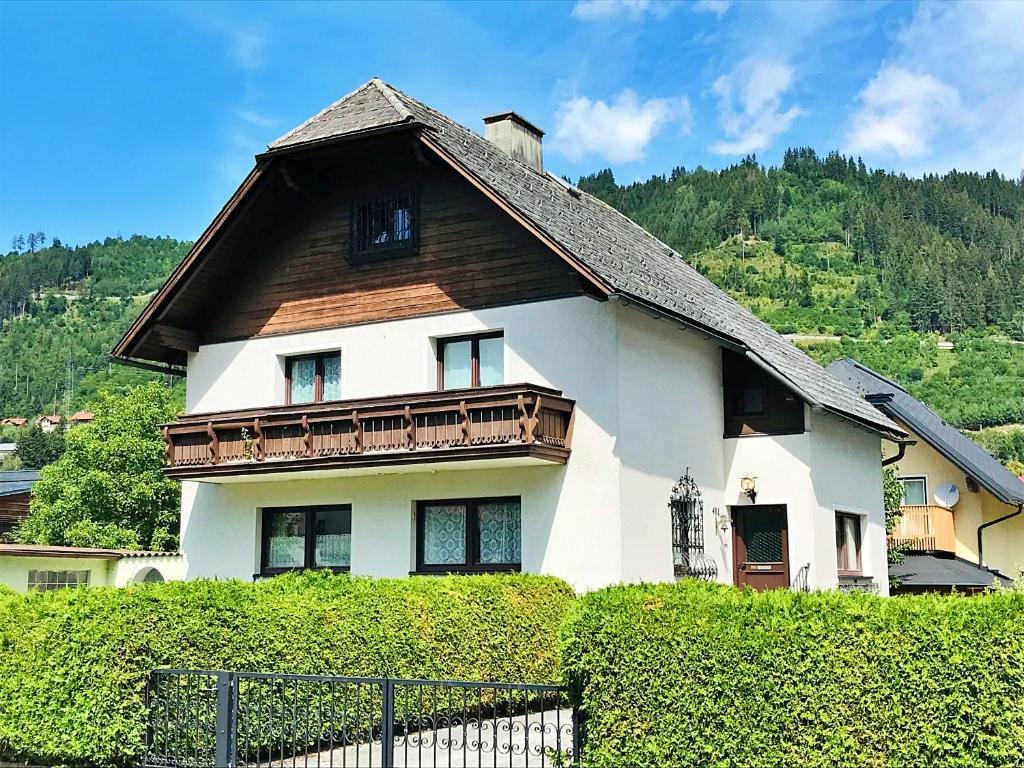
848	537
915	490
312	378
471	361
469	535
386	226
297	538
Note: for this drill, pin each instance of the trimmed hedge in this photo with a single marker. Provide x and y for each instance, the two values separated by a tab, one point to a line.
694	674
74	663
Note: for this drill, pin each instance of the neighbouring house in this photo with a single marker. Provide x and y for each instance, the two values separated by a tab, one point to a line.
82	417
15	494
13	421
27	567
409	349
49	423
962	513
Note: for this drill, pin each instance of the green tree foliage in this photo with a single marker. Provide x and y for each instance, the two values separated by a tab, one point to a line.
108	488
941	253
75	662
1006	444
37	448
696	674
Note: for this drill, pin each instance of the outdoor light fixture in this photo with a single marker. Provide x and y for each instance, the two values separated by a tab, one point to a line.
747	484
722	518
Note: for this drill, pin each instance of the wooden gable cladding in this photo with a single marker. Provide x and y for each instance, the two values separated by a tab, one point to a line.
743	382
296	273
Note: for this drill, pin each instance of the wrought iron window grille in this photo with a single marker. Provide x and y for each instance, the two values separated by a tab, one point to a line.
385	227
687	508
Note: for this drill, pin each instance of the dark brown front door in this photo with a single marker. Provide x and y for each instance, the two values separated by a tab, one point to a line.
760	546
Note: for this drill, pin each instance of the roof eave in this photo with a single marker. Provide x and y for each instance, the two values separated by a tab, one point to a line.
329	141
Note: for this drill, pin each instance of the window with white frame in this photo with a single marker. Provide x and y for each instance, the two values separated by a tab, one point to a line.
848	541
915	490
44	581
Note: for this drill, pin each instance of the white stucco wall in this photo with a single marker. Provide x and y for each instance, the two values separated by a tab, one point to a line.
132	570
569	344
648	404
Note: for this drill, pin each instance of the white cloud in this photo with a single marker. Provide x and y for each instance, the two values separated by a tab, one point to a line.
618	132
750	110
901	111
964	97
248	48
717	7
256	119
608	9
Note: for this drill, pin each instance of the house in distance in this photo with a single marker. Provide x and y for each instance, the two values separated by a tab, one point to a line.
409	349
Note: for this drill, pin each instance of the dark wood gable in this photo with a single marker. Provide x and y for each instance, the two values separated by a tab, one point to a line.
285	262
755	402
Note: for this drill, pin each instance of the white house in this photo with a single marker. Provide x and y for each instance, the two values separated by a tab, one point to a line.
411	350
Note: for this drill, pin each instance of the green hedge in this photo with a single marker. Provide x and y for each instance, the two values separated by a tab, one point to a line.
74	663
706	675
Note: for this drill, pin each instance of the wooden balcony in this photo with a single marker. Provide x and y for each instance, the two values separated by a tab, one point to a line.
925	527
512	421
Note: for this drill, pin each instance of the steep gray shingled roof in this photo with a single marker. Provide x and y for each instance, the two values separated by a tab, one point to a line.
892	399
630	261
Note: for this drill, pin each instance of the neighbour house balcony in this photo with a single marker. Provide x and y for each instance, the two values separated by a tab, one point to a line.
519	423
925	527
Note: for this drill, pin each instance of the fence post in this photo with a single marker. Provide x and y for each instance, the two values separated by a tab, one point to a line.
226	704
387	724
577	737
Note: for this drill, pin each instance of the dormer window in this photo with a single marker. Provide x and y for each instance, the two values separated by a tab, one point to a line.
385	227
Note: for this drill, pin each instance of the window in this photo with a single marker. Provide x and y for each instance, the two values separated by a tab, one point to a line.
848	544
44	581
750	400
468	535
471	361
295	538
754	402
385	227
313	378
915	490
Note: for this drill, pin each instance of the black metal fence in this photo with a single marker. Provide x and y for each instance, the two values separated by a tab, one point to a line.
205	719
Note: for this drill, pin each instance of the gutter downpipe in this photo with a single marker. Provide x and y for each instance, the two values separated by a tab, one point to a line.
901	451
983	526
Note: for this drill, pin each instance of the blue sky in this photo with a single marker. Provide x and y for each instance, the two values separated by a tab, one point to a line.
143	117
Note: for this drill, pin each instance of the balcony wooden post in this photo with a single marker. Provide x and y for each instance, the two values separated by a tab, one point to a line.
357	432
536	430
214	447
467	438
260	445
521	408
170	446
410	429
307	442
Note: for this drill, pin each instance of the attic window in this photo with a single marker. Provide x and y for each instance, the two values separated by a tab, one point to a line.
385	227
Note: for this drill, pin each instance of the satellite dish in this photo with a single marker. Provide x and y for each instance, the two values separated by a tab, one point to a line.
947	495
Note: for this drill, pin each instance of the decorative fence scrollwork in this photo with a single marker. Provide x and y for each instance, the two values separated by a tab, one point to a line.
687	508
205	719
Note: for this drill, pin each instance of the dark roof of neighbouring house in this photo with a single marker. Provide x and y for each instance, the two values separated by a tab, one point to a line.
623	260
928	570
20	481
893	400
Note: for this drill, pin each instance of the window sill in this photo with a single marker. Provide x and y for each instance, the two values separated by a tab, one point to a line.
466	570
779	433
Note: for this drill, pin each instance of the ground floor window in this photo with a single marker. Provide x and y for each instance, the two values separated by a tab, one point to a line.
848	544
295	538
469	535
44	581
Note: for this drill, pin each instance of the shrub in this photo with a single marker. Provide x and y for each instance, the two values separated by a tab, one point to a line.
74	663
706	675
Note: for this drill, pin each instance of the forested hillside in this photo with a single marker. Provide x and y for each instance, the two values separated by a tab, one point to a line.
62	309
818	246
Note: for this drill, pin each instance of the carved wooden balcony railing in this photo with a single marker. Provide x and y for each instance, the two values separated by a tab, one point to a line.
520	420
925	527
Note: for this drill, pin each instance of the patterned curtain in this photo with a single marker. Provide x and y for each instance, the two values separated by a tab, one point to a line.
500	532
444	534
332	377
334	549
303	381
287	540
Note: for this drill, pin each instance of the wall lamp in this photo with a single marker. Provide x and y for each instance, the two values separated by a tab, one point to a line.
747	483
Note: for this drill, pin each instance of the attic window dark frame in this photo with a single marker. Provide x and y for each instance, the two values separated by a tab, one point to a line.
385	226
